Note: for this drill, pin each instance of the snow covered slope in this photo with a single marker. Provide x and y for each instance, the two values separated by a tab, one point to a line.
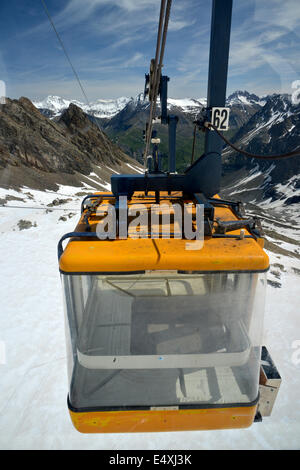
187	105
33	381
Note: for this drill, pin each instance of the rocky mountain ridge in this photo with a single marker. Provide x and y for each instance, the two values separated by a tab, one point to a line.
49	151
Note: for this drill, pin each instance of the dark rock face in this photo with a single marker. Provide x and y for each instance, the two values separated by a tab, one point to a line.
243	105
240	114
73	144
273	129
26	224
292	200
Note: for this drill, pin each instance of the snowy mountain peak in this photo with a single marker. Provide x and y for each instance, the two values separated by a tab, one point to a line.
53	103
187	105
106	108
240	97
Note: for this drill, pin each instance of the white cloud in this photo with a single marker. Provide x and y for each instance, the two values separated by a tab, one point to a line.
134	60
118	37
277	12
176	25
114	12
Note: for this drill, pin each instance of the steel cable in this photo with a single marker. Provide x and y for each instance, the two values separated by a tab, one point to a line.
69	60
160	49
159	33
252	155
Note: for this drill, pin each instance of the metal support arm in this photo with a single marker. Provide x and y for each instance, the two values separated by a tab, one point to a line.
172	121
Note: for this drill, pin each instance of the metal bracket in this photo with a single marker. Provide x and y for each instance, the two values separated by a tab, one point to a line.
203	116
172	123
209	212
236	206
163	93
269	383
230	225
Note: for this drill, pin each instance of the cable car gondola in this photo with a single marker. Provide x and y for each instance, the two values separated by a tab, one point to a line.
163	336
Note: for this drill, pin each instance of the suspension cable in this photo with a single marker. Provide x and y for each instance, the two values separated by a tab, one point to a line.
252	155
159	33
160	49
65	51
69	60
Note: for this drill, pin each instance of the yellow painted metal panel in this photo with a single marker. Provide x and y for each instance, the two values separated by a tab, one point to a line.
217	254
163	420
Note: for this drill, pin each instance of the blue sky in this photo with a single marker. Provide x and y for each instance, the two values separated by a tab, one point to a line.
111	42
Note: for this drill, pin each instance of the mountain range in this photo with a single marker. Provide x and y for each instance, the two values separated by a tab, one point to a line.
126	126
124	119
63	141
53	106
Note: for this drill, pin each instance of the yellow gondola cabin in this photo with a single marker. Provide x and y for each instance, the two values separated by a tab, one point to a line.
160	337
